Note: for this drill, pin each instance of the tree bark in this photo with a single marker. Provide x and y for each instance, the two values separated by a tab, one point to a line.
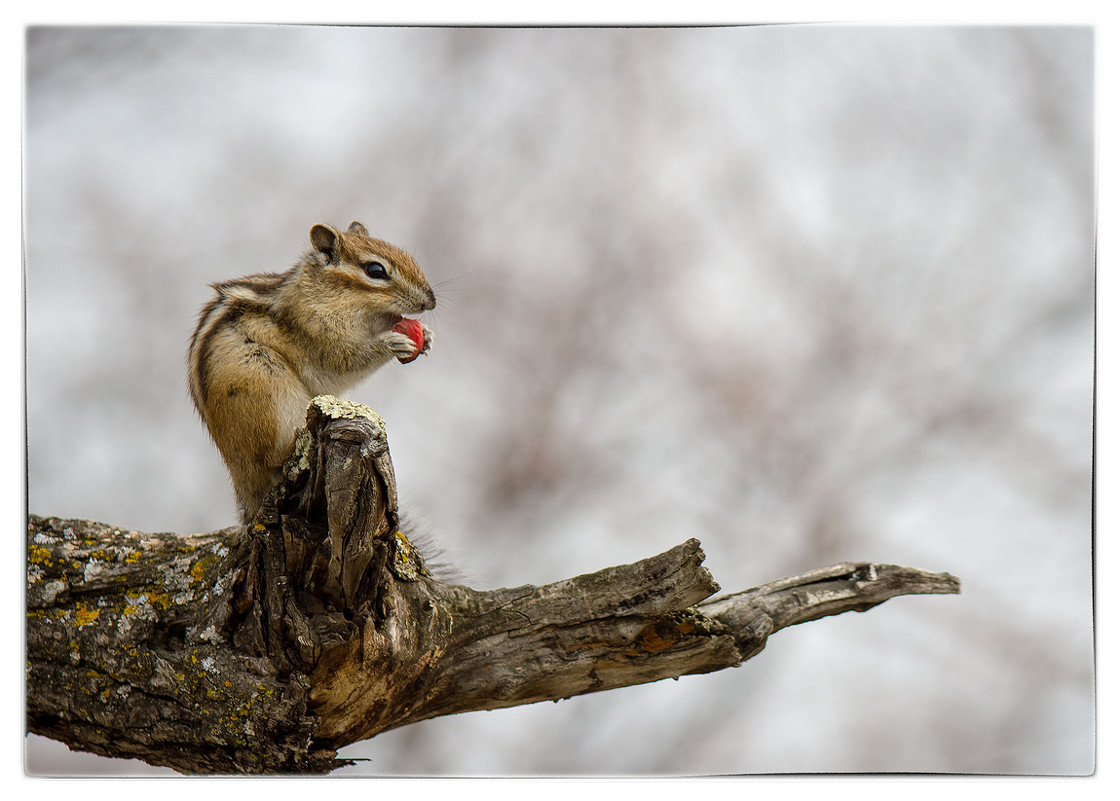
266	648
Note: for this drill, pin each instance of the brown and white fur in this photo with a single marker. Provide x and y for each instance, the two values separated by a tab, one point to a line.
270	342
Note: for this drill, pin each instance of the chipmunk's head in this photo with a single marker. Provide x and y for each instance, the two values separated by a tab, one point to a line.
382	277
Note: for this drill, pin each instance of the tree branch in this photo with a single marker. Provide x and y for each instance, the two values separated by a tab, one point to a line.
265	649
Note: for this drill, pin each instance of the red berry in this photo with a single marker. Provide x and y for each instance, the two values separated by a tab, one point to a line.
412	330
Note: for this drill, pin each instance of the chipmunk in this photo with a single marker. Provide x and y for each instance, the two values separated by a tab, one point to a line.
268	343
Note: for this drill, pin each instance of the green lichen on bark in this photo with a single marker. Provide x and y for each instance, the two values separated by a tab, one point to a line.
339	409
125	652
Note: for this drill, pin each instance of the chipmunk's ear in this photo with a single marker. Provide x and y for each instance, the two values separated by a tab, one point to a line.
357	228
326	240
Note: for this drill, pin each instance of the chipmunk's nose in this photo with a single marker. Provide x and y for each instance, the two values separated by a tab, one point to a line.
430	301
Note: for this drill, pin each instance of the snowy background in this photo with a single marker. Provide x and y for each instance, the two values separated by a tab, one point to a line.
809	294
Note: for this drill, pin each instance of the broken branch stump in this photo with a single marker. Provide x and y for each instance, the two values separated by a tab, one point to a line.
264	649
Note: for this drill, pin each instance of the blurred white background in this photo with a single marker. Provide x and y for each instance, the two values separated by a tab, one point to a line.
807	293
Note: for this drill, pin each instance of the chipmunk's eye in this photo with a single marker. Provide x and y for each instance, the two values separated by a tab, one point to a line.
375	269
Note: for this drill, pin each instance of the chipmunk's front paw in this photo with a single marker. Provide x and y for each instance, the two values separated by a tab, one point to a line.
400	346
417	336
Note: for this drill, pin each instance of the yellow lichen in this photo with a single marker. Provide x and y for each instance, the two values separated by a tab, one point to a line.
407	563
140	597
83	616
200	568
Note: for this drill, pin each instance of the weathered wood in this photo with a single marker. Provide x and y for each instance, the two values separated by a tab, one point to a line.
119	665
265	649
